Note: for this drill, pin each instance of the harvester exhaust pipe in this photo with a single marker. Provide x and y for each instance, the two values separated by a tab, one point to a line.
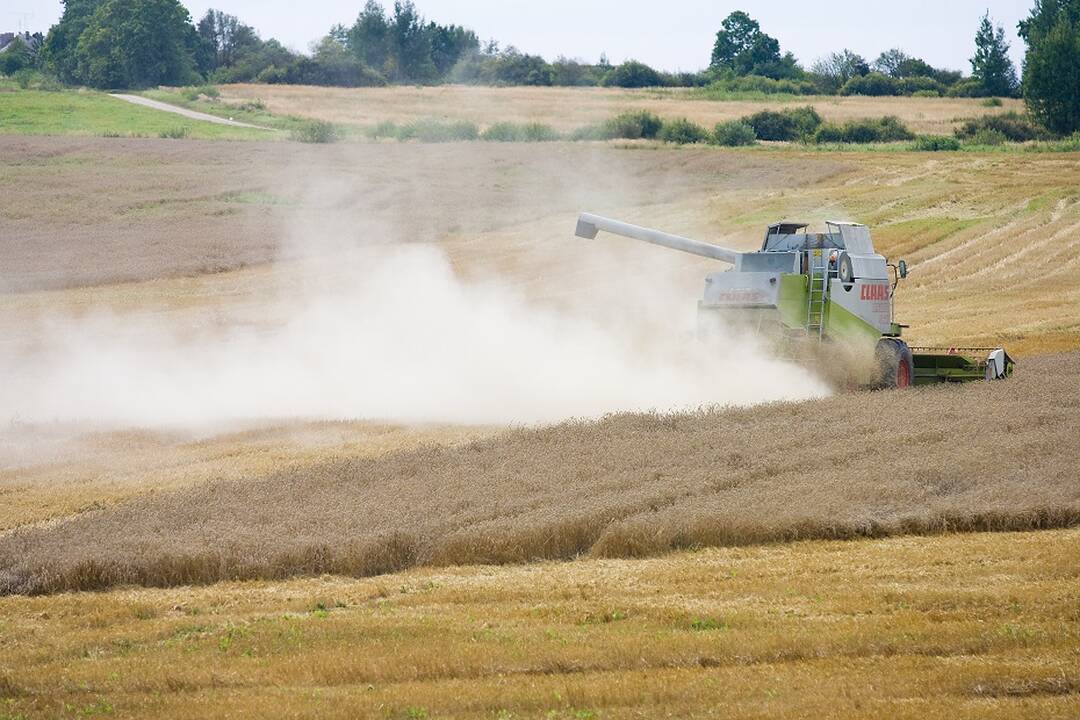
588	225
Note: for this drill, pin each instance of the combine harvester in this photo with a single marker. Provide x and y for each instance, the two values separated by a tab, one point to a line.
819	291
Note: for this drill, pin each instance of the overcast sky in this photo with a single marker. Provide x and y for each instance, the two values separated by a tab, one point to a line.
668	34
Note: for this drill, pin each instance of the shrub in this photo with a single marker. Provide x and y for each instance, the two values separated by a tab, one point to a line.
589	132
912	85
829	133
886	129
633	74
1014	126
512	132
760	84
873	84
786	125
992	102
734	133
966	88
935	143
502	132
315	131
926	94
434	131
384	129
988	136
633	125
539	132
683	132
174	133
892	129
194	93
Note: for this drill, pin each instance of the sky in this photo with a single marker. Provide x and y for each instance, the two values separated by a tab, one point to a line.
678	36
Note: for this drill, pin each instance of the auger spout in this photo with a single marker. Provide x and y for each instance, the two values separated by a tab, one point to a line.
588	225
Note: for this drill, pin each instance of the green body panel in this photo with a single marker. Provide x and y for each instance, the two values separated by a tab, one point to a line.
840	324
792	300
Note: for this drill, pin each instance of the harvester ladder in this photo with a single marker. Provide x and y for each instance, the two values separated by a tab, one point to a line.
817	295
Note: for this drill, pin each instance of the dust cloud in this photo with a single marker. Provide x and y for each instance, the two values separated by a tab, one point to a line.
395	331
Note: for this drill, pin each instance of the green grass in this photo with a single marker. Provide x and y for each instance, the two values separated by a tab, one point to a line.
83	112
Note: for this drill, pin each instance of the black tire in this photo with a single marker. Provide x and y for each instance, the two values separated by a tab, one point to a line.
896	366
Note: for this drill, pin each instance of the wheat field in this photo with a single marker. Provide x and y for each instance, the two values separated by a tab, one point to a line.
800	558
567	109
955	626
999	456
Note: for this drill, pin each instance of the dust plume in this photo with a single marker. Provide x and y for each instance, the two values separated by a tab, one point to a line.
370	313
398	336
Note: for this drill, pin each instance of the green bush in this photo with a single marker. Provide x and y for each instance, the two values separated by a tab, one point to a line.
874	84
987	136
315	131
992	102
886	129
633	74
734	133
194	93
969	87
935	143
787	125
926	94
385	129
633	125
513	132
829	133
759	84
912	85
539	132
435	131
589	132
683	132
174	133
1014	126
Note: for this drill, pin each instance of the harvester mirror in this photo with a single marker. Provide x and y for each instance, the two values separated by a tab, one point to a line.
903	269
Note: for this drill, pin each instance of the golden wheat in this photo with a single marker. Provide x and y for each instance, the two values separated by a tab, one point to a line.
995	456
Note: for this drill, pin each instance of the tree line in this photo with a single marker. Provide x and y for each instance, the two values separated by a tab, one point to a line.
143	43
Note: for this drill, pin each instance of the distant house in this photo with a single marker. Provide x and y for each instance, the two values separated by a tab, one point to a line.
32	41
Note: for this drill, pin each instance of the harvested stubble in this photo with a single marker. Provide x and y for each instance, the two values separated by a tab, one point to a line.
993	456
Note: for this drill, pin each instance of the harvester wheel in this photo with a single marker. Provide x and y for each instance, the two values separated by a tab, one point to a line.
896	363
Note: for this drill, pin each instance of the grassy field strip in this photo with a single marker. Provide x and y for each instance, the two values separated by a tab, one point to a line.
84	112
945	627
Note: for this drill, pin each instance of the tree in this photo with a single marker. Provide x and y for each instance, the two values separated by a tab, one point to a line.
16	56
224	40
839	67
992	67
738	34
58	52
1052	64
891	62
137	43
369	37
411	44
744	49
633	74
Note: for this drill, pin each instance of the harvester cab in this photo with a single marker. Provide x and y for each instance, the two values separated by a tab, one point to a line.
804	289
